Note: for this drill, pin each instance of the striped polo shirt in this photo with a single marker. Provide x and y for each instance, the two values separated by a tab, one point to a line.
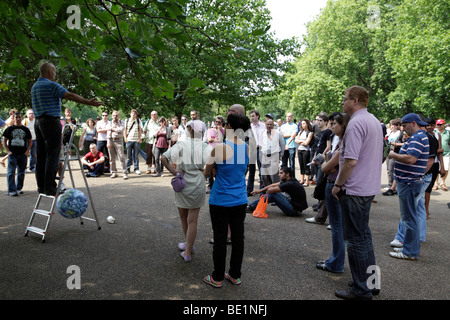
46	98
418	146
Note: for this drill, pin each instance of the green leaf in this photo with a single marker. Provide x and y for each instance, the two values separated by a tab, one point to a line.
16	64
40	47
132	84
197	83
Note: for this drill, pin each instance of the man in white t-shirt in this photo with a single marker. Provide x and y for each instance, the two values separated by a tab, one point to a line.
132	136
151	127
102	141
29	123
289	131
258	129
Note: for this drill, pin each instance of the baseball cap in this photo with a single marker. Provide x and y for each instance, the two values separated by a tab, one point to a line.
410	117
440	121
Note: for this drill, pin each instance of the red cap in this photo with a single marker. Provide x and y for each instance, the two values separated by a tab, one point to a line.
440	121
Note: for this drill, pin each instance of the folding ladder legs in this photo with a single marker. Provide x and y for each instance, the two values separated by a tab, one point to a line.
37	211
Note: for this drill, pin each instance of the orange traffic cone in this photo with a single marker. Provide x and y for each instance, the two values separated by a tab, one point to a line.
262	211
258	207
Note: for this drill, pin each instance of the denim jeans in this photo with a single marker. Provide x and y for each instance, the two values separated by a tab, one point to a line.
221	217
281	201
336	261
16	162
32	164
48	149
99	168
132	154
158	153
413	223
289	155
355	224
102	146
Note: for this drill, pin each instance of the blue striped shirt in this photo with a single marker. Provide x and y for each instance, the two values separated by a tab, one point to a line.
46	97
418	146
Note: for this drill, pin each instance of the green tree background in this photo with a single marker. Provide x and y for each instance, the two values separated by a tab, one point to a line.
177	55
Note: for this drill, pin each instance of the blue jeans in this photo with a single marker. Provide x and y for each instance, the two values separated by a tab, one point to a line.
281	201
132	154
336	261
19	162
33	155
289	155
158	153
99	168
412	225
355	224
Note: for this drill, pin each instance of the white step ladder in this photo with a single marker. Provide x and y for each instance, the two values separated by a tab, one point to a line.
47	214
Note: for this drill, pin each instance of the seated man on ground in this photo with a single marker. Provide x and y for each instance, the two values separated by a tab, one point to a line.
93	161
291	204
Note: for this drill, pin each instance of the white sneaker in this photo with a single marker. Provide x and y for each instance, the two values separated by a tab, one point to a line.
313	220
62	188
138	172
113	175
125	176
396	243
401	255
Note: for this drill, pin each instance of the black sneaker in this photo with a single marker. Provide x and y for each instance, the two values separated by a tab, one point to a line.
249	209
389	192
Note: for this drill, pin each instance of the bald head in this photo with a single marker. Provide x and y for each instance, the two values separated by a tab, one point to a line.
48	70
236	109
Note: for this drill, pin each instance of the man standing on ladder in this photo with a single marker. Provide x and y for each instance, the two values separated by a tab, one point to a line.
46	95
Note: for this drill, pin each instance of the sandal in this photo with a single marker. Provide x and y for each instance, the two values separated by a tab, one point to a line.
443	187
209	280
232	280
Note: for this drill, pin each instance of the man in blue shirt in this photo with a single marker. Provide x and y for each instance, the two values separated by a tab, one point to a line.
409	170
46	97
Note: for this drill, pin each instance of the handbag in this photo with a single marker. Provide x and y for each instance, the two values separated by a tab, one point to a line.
178	182
319	190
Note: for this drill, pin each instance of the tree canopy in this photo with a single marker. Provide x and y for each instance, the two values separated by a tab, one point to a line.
398	50
168	55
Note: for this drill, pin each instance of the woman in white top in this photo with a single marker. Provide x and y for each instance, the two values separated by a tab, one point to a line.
303	140
188	155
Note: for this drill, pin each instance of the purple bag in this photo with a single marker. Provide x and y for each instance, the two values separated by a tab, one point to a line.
178	182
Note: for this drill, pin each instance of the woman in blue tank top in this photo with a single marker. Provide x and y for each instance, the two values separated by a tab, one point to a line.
228	199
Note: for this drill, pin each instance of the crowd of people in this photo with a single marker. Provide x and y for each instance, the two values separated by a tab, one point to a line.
221	158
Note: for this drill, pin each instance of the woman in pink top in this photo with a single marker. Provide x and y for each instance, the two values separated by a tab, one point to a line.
162	143
214	136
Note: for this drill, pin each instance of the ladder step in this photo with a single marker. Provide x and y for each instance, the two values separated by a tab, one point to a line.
42	212
43	195
36	230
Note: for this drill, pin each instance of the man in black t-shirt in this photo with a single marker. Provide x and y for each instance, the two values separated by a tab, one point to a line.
291	204
17	141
